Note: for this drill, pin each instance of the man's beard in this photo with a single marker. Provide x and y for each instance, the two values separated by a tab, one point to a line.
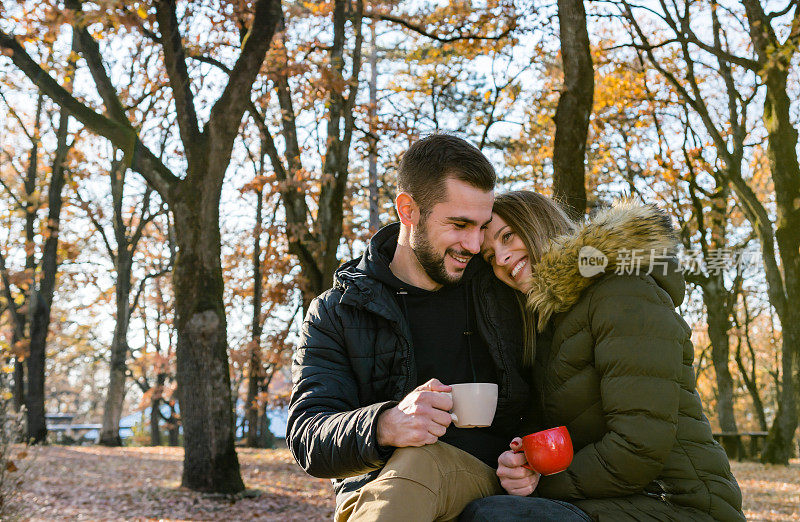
430	260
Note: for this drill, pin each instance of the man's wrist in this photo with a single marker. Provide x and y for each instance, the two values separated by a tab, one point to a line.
383	430
382	433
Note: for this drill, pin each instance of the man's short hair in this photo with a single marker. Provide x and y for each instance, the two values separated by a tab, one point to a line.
431	161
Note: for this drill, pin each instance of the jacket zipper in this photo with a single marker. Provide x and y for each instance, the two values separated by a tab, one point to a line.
500	349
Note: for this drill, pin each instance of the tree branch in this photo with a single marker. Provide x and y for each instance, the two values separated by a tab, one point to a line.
175	63
10	193
776	14
90	50
10	299
98	226
226	114
16	116
420	29
122	136
140	289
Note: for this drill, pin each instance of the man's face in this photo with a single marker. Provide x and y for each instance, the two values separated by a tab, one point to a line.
446	239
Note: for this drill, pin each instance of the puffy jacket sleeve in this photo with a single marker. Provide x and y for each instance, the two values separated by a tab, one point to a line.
638	341
329	433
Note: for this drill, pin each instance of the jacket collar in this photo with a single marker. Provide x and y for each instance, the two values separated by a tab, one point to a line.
628	226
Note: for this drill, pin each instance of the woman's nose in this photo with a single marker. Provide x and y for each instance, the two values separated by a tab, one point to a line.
502	257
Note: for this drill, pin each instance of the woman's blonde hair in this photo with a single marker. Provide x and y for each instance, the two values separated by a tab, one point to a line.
536	219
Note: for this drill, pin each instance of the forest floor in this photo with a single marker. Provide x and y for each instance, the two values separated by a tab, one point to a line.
97	483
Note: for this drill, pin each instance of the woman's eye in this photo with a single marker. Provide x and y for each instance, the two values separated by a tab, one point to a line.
507	236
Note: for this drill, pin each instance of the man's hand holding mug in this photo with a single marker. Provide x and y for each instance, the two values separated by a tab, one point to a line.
421	417
424	414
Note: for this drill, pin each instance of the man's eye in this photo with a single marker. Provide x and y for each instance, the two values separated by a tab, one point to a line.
460	226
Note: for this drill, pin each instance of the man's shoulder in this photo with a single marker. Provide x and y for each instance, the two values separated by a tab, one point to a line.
324	303
351	287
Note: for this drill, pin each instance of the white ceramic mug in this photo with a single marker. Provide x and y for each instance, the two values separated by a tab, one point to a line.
474	404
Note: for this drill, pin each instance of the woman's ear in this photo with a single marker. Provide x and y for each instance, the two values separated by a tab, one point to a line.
407	209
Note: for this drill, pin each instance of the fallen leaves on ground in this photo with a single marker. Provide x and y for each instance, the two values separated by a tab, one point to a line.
98	483
769	492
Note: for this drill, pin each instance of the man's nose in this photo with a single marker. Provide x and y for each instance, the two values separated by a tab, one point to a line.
472	243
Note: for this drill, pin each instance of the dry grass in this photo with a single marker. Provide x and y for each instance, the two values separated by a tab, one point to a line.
96	483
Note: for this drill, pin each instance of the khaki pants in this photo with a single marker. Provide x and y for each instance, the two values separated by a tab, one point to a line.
434	482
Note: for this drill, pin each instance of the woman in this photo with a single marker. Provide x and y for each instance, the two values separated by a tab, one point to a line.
612	362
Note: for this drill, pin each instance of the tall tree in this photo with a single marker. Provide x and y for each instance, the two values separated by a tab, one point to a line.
315	239
40	275
574	109
121	252
210	462
771	63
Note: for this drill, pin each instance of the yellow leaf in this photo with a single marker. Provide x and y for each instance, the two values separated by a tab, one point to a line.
142	12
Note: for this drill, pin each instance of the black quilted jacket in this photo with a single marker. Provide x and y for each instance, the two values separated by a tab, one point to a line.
355	360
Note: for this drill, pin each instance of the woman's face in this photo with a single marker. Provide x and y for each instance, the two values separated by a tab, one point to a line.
504	250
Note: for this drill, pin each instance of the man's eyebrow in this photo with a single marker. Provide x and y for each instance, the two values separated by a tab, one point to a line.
466	220
460	219
500	230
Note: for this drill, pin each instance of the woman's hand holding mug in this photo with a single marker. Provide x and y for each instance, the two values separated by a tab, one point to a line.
546	452
515	477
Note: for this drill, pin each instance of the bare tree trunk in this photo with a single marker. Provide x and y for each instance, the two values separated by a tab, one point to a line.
573	110
19	380
254	369
374	210
174	428
123	261
265	437
40	323
750	378
783	161
210	462
115	397
34	364
155	422
714	294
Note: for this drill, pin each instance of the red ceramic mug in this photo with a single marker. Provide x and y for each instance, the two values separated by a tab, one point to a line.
548	452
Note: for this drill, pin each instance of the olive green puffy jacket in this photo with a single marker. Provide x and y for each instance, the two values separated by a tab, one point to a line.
615	366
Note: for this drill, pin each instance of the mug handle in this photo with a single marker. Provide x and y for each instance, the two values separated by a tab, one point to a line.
452	415
526	465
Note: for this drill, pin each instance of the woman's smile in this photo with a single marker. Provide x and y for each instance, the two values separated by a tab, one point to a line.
505	251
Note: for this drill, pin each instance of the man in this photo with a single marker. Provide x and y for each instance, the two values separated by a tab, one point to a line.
413	315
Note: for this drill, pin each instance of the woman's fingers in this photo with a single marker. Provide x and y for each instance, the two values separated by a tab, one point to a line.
516	479
522	486
511	459
516	443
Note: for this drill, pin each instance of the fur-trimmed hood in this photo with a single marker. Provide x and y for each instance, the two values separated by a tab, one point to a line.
625	234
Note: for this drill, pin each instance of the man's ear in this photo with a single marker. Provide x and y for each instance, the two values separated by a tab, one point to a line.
407	209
